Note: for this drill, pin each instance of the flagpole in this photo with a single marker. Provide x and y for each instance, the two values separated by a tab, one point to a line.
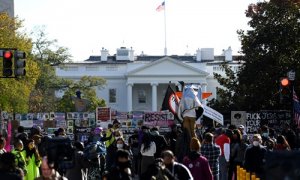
165	50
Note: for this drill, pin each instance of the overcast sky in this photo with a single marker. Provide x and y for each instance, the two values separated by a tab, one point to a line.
85	26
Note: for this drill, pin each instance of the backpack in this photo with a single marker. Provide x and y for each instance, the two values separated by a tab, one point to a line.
93	150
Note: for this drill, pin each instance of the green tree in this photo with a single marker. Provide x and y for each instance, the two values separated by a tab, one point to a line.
271	48
15	92
47	54
86	85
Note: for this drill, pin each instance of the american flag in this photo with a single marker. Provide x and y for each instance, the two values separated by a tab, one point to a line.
161	7
296	109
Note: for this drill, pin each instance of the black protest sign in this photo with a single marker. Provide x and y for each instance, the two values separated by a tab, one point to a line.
272	119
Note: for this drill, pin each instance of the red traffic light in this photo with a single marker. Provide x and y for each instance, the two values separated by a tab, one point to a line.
284	82
7	54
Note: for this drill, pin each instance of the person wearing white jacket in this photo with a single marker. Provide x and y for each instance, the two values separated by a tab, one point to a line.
190	107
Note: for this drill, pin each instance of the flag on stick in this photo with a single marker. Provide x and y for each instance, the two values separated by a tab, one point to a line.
161	7
296	109
170	101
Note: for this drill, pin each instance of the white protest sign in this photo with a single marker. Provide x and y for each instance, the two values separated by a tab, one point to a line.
213	114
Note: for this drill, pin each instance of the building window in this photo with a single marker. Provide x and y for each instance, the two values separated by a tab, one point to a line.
112	67
218	68
91	68
142	96
71	68
112	95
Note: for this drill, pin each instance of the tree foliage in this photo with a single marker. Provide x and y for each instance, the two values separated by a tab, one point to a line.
15	92
86	85
47	54
271	48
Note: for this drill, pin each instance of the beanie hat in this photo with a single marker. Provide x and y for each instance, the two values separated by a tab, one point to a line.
195	144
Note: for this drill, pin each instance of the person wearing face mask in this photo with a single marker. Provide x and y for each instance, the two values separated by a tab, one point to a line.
121	144
122	168
264	133
254	156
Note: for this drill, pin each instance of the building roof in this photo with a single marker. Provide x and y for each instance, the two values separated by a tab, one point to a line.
112	59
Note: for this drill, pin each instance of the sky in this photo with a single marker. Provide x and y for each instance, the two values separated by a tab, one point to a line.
85	26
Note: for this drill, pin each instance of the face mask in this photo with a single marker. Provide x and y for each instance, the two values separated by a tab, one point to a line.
265	135
255	143
119	146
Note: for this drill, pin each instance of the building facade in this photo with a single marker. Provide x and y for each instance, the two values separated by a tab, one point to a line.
139	83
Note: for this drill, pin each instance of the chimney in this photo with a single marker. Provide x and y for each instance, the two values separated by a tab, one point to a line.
131	54
198	56
104	54
228	54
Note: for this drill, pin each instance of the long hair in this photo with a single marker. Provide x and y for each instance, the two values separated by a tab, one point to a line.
29	152
146	141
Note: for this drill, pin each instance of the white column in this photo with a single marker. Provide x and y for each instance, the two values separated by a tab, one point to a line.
203	87
129	96
154	96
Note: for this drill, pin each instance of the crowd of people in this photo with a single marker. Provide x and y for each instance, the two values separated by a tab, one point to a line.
213	154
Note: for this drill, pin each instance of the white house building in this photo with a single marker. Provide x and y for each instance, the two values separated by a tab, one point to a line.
139	83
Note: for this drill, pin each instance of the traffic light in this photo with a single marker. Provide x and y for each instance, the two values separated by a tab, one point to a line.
20	63
7	63
285	91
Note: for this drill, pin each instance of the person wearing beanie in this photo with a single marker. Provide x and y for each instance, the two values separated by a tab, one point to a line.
196	163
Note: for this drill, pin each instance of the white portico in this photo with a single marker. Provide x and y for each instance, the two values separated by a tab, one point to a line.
153	79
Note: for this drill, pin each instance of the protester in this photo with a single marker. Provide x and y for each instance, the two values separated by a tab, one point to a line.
20	159
121	170
255	156
212	153
172	137
33	160
237	152
196	163
282	144
270	145
158	171
48	171
178	170
290	136
160	142
190	109
112	132
121	144
134	147
2	145
79	171
224	142
8	168
22	135
148	149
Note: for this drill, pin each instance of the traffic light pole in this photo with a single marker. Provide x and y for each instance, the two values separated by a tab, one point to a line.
292	75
